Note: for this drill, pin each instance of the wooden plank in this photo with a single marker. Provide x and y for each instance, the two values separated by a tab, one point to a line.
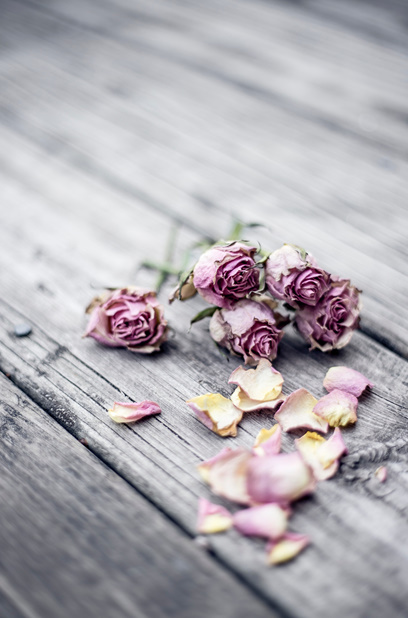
75	381
77	540
111	153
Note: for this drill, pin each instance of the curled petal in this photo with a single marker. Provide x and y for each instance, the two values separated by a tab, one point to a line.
131	412
338	408
228	476
268	520
322	455
261	384
241	400
204	467
381	474
268	441
217	413
345	379
212	517
279	478
288	547
296	412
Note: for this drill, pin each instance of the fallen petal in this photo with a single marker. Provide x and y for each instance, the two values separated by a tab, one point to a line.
204	467
296	412
381	474
268	441
322	455
217	413
212	517
241	400
286	548
227	477
261	384
131	412
338	408
279	478
268	520
345	379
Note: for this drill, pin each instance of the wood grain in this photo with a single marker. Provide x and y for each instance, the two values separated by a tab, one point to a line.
77	540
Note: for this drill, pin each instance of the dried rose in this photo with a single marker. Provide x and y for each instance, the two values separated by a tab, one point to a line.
212	518
248	329
267	520
131	412
129	318
331	323
226	273
217	413
345	379
286	548
292	275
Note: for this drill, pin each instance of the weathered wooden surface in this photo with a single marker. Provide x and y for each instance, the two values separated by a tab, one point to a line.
119	121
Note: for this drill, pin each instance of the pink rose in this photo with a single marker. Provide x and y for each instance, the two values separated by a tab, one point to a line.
292	276
330	324
226	273
128	318
248	329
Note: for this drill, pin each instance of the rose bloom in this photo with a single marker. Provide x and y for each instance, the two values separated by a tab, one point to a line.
226	273
248	329
128	318
331	323
292	276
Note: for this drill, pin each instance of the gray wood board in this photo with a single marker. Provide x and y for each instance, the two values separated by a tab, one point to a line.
78	540
83	104
76	381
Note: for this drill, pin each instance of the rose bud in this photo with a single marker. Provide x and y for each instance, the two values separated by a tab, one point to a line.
248	329
128	318
331	323
292	275
226	273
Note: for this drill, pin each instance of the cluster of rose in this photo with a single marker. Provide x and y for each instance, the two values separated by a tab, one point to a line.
243	287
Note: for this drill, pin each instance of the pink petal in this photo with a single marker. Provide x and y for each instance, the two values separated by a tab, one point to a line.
268	441
217	413
204	467
244	403
322	455
261	384
338	408
279	478
296	412
212	517
268	520
131	412
345	379
286	548
381	474
228	476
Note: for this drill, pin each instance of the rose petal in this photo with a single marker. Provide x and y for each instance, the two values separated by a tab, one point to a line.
244	403
296	412
212	517
345	379
287	548
279	478
381	474
261	384
217	413
228	476
338	408
268	441
204	467
322	455
268	520
131	412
